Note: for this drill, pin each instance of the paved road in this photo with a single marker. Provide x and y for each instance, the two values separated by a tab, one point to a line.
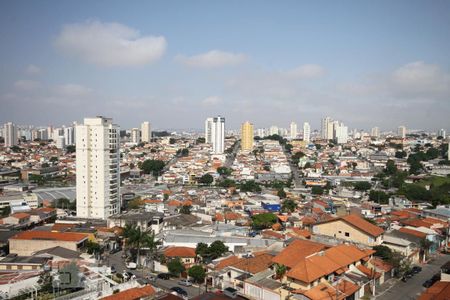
413	287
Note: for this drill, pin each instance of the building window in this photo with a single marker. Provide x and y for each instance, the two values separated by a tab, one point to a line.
347	234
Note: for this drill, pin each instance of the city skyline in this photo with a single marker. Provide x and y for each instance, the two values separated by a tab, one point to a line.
301	60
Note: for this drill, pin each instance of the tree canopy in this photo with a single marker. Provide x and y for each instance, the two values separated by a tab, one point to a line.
197	273
152	166
175	266
206	179
263	221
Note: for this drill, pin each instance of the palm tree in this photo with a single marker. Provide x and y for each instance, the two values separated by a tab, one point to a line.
425	246
280	270
151	244
135	238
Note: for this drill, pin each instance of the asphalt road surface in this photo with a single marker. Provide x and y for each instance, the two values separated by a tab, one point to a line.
413	287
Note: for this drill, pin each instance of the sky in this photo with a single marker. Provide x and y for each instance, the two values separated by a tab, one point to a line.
175	63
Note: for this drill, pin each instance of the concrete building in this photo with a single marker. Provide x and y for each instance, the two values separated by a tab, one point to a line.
146	132
135	135
327	128
208	130
274	130
10	134
306	132
218	134
247	136
69	135
375	132
293	131
401	132
442	133
60	142
340	133
261	132
98	168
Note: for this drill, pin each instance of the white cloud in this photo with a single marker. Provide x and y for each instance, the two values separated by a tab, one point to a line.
309	71
211	101
26	85
32	70
109	44
212	59
71	90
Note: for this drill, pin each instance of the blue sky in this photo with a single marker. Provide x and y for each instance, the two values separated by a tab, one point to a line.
173	63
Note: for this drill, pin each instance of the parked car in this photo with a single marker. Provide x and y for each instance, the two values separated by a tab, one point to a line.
114	251
113	269
416	269
428	283
179	291
185	282
165	276
230	292
151	277
131	265
128	275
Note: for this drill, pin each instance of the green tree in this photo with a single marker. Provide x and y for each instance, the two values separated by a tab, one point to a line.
288	205
263	221
53	159
6	211
71	148
197	273
383	252
391	168
226	183
152	166
400	154
92	247
135	238
202	250
135	203
288	147
172	141
280	270
224	171
185	210
250	186
425	246
317	190
176	267
281	193
379	197
362	186
216	249
200	140
318	146
206	179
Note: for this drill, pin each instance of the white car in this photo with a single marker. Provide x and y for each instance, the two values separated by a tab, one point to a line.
131	266
185	282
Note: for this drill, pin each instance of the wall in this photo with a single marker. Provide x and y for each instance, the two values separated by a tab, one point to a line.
339	228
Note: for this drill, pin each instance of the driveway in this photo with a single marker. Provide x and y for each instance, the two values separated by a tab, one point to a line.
413	287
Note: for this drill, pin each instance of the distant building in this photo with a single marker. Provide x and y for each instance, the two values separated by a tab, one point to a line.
10	134
247	136
401	132
69	136
293	131
261	132
146	132
274	130
326	131
306	132
135	135
98	168
442	133
218	134
375	132
60	142
340	133
208	130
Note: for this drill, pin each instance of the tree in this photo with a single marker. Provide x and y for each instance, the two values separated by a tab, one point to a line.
197	273
71	148
280	270
281	193
317	190
391	168
92	247
379	196
166	197
318	146
172	141
53	159
200	140
176	267
224	171
362	186
250	186
226	183
288	147
5	211
152	166
135	238
288	205
400	154
185	210
425	246
216	249
383	252
206	179
263	221
202	250
135	203
15	149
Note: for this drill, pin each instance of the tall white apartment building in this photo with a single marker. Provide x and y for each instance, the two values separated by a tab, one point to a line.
135	135
293	131
327	128
340	133
401	132
261	132
69	136
98	168
218	134
208	130
146	132
10	134
375	132
442	133
306	132
273	130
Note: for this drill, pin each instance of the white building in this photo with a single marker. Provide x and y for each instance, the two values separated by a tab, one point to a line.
293	131
146	132
442	133
60	142
218	134
208	130
401	132
274	130
43	134
327	130
261	132
135	135
375	132
69	135
98	168
306	132
10	134
340	132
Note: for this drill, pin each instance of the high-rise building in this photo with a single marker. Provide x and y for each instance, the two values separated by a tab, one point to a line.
293	131
43	134
218	134
442	133
306	132
135	135
146	132
98	168
375	132
69	135
10	134
60	142
261	132
274	130
340	132
401	132
208	130
247	136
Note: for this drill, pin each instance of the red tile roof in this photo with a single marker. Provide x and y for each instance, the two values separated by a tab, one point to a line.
180	252
132	294
48	235
20	215
438	291
296	251
413	232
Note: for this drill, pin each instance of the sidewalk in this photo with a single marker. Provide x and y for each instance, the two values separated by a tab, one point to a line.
386	286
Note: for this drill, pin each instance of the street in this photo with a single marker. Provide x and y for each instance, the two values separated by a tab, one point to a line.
413	287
